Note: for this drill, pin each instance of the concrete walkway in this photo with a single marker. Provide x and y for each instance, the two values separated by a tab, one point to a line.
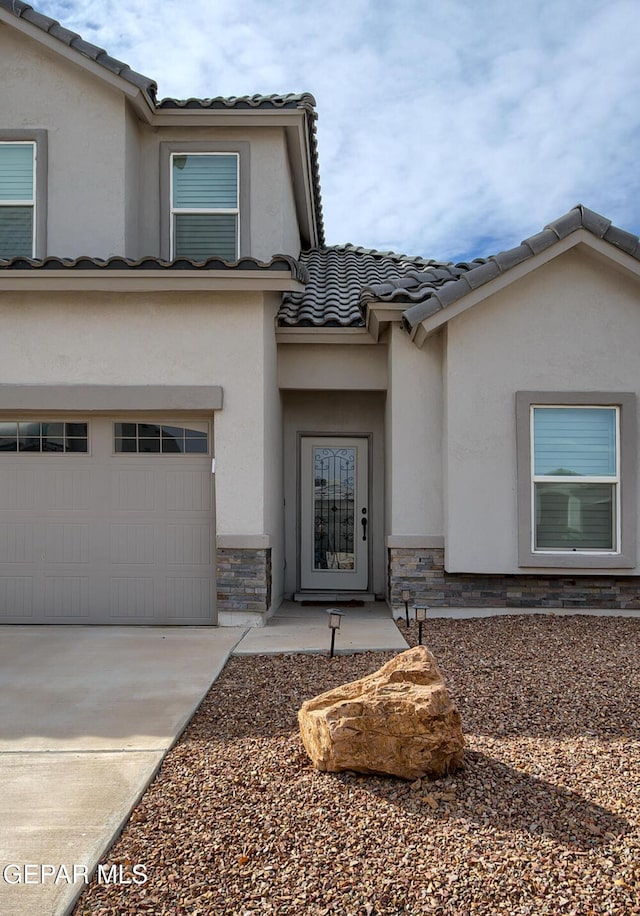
88	713
297	628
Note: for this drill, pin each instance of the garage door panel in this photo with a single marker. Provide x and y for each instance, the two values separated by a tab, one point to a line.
66	596
188	491
18	543
66	542
16	598
67	489
134	490
20	489
188	545
133	544
106	538
188	597
132	597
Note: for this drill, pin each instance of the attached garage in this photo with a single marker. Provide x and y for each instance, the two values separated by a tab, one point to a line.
107	519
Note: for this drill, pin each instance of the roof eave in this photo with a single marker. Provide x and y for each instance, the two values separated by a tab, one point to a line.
421	329
98	280
379	315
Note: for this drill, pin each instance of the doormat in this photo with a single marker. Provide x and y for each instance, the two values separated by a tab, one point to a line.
352	603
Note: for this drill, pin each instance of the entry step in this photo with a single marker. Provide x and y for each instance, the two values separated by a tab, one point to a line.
334	597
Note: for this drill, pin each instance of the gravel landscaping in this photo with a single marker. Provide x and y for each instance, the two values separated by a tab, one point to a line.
543	819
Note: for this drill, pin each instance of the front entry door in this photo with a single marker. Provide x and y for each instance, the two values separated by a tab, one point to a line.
335	529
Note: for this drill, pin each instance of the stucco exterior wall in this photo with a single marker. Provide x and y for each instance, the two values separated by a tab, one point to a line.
84	119
413	429
571	325
343	367
333	413
273	485
162	339
133	209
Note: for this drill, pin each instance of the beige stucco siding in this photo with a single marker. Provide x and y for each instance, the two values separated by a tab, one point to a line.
273	512
413	430
571	325
133	204
164	339
343	367
84	119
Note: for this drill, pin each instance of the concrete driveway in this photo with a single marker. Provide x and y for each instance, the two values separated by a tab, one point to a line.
86	717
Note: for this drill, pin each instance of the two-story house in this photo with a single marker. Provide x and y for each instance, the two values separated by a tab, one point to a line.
204	408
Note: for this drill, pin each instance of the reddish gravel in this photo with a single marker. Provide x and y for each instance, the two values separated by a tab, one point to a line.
544	819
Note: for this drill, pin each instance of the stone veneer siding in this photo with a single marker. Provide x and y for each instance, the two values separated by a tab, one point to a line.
243	579
421	570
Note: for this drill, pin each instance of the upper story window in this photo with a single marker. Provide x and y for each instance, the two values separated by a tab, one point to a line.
17	199
205	212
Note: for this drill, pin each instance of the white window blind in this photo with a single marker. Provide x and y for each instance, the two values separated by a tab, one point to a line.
575	477
17	199
204	205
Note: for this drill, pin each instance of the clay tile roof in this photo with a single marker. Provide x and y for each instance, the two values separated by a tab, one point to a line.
345	279
337	276
73	40
279	262
426	298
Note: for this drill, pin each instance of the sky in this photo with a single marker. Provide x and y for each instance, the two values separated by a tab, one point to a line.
448	129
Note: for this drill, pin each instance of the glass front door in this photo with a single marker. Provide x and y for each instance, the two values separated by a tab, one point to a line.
335	530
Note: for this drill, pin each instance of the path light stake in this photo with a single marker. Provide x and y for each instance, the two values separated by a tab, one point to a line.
406	597
335	618
421	616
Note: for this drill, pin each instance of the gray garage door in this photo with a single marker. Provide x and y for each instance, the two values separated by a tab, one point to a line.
106	521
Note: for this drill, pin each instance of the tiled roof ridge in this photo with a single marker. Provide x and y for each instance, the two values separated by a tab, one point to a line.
279	262
273	100
52	27
373	252
426	301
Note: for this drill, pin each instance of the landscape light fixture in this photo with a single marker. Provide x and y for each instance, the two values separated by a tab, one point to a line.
406	597
421	616
335	618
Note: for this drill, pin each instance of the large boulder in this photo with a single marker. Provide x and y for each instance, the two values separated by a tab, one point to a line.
399	721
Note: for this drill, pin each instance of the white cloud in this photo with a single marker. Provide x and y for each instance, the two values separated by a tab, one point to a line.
446	127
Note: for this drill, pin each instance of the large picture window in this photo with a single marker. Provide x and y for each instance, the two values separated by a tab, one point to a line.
205	205
576	479
17	199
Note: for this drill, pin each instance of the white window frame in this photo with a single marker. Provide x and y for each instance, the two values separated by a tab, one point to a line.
173	211
34	196
579	561
612	480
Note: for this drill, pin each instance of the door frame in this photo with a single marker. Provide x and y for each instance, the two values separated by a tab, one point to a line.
339	435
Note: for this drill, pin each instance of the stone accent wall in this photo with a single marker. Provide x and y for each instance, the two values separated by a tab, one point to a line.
243	579
421	570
